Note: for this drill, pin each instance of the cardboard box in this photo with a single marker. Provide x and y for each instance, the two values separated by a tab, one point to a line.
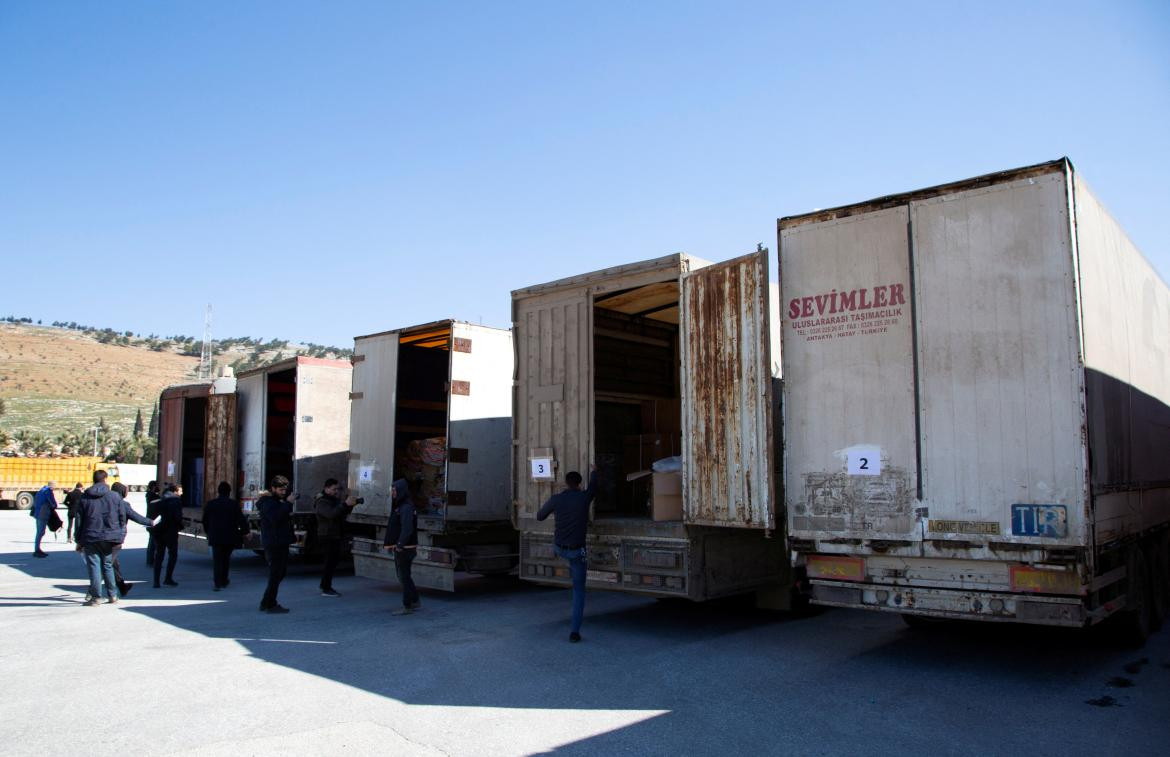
665	493
666	496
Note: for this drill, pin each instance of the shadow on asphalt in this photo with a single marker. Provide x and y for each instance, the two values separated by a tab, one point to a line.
502	643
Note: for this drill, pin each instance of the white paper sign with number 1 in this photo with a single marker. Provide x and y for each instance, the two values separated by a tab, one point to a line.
864	461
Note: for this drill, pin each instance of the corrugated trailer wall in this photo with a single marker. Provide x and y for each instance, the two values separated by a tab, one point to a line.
321	444
1125	312
553	404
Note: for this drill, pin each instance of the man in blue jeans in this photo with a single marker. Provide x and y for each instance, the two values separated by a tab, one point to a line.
571	508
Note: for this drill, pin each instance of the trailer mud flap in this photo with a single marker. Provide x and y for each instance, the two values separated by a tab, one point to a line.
432	576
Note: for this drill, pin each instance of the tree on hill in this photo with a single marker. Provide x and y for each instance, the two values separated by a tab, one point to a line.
138	424
152	429
3	408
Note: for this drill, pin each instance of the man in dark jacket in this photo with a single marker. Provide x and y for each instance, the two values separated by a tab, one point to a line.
276	534
331	515
571	508
71	501
166	533
102	515
402	540
153	494
226	525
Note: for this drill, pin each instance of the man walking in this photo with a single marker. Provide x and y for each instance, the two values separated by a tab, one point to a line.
276	534
166	534
226	525
402	540
331	514
71	501
126	514
101	515
153	494
44	503
571	508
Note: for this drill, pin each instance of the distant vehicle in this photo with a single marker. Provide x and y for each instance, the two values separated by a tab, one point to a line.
22	477
136	476
977	405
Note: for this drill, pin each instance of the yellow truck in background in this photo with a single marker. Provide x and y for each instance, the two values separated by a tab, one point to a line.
22	477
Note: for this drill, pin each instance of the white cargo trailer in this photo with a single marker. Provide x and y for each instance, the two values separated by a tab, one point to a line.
977	404
670	357
433	404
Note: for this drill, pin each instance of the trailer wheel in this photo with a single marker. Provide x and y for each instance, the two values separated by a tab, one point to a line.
24	500
919	622
1134	623
1159	579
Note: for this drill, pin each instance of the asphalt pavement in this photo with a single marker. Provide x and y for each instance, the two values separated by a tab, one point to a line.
488	670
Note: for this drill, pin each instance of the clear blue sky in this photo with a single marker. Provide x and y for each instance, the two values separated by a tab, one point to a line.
322	170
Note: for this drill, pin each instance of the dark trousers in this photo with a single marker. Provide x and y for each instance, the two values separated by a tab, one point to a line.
165	544
332	549
221	559
72	518
403	559
277	558
150	549
118	579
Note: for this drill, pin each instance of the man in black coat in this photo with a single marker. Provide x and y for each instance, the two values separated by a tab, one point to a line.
226	525
166	533
152	496
72	499
277	535
331	515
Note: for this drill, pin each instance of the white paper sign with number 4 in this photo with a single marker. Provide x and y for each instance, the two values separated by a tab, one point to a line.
864	461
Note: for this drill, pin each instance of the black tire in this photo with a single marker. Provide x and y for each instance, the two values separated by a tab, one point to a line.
24	500
1159	576
1135	622
918	622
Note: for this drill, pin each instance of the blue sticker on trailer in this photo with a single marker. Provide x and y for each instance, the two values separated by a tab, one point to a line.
1046	521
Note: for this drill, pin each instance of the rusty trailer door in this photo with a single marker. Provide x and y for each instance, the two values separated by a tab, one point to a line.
219	444
726	351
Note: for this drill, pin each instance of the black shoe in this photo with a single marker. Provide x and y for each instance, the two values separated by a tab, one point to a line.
277	610
170	582
157	585
216	589
330	593
263	608
574	637
124	589
40	554
416	605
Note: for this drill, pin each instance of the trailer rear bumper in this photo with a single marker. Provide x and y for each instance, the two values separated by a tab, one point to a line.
954	603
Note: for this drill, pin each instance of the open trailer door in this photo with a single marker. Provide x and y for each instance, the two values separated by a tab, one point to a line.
725	339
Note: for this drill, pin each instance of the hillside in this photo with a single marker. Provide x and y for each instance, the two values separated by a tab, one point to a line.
56	380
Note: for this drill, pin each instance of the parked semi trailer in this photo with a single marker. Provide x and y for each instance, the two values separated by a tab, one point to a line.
433	404
22	477
977	405
668	358
290	418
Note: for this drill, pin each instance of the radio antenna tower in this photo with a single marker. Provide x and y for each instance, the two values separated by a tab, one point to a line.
205	353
